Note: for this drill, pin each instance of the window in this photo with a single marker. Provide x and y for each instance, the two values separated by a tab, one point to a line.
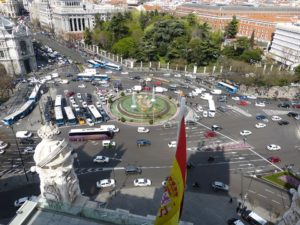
2	55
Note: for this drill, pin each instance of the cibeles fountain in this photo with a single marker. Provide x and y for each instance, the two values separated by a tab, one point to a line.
54	164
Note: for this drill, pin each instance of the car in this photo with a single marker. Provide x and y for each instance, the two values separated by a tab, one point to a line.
243	103
108	143
108	71
2	151
292	114
235	98
78	95
260	104
217	185
209	134
283	122
23	134
84	104
222	108
177	75
19	202
98	105
200	108
143	142
205	114
143	130
28	150
251	97
124	73
101	159
142	182
276	118
296	106
284	105
136	78
106	183
216	128
245	132
70	93
234	221
260	125
90	122
26	141
81	86
273	147
172	144
297	117
261	117
130	169
274	159
3	145
222	98
81	121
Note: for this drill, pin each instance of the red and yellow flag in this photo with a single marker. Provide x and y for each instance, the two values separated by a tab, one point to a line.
172	199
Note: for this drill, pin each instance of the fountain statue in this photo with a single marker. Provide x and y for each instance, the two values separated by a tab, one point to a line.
54	164
133	101
153	96
292	215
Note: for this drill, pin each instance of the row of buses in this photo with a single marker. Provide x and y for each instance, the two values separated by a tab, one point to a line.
70	117
25	109
102	64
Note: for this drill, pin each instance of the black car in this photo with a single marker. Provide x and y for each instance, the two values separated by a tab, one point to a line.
26	141
283	122
133	170
216	128
292	114
284	105
136	77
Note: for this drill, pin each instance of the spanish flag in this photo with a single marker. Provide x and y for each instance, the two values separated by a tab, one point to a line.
172	199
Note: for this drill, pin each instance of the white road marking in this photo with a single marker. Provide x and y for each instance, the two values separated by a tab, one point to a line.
276	202
240	158
267	190
249	164
281	196
262	196
251	191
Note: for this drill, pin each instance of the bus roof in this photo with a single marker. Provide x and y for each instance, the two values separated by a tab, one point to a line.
226	85
58	99
58	113
86	130
257	218
211	105
69	113
94	111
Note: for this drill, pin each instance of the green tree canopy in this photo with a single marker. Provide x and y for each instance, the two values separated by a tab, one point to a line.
125	47
232	28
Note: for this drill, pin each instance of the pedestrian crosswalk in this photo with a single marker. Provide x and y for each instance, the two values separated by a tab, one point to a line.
271	112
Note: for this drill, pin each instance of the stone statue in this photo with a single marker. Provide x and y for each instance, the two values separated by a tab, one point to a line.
292	215
54	164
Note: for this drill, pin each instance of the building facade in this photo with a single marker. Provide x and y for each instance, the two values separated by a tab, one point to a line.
69	18
10	8
16	50
262	20
285	46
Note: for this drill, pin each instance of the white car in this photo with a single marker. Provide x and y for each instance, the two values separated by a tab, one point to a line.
124	73
90	122
141	182
106	183
101	159
276	118
236	98
108	71
220	185
3	145
148	79
81	86
98	105
21	201
172	144
205	114
260	125
273	147
23	134
2	151
200	108
245	132
260	104
251	97
143	130
178	75
108	143
78	95
28	150
84	105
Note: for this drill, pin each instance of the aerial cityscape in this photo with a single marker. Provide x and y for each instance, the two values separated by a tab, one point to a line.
140	112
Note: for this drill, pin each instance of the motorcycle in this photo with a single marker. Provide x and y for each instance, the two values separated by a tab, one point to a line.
211	159
196	185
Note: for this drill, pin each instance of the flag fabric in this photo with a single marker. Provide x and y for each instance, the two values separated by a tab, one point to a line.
172	199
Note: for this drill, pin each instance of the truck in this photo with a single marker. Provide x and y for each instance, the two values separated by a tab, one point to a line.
137	88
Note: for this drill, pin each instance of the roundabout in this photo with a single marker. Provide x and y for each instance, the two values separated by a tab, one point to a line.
143	108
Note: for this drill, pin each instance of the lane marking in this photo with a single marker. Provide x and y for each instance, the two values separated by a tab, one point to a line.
267	190
281	196
262	196
251	191
275	202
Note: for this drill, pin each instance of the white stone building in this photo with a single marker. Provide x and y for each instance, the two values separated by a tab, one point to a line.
69	18
16	50
285	46
10	8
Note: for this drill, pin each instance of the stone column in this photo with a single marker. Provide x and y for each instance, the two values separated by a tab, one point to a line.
214	69
185	68
168	66
204	70
117	58
97	50
121	60
221	70
150	64
131	64
113	56
158	67
195	69
141	65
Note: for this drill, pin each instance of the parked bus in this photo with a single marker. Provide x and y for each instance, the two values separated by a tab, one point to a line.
101	77
20	113
229	88
59	118
212	108
85	76
97	117
112	66
94	64
100	62
90	134
71	119
35	93
58	100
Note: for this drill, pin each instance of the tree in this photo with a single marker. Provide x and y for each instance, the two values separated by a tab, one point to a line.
251	55
252	40
191	19
232	28
143	20
297	73
125	47
117	27
87	36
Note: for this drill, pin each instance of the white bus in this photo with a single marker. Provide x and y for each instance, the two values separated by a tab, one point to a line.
94	64
58	100
70	115
97	117
35	93
90	134
59	118
212	108
85	76
112	66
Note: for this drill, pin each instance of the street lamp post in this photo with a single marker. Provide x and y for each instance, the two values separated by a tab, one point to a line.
20	155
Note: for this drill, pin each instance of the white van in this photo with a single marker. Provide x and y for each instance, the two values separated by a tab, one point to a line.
142	130
253	218
216	91
108	143
137	88
23	134
110	127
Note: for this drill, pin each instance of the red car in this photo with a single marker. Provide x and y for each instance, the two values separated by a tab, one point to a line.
146	88
242	103
274	159
210	134
296	106
70	93
157	83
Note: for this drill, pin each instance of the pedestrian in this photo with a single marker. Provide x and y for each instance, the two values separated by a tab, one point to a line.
230	200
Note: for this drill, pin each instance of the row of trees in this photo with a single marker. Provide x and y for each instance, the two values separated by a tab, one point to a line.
154	36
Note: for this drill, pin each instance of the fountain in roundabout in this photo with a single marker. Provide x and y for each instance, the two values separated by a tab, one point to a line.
144	108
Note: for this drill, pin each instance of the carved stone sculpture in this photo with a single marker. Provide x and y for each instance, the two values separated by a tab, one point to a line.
54	164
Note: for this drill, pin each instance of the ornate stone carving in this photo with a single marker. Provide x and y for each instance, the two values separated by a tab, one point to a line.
54	164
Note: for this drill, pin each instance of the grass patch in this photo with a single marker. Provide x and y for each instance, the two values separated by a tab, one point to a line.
80	67
275	179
